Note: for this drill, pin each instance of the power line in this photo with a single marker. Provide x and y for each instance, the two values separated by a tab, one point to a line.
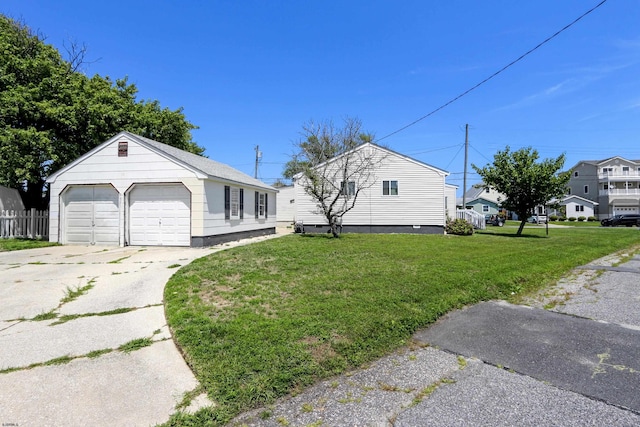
496	73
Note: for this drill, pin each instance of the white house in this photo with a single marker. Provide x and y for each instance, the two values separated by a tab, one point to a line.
406	196
286	199
576	206
131	190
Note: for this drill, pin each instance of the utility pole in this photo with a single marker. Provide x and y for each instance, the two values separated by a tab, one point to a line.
258	157
464	179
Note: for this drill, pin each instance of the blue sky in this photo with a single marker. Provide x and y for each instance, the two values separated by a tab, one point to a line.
253	72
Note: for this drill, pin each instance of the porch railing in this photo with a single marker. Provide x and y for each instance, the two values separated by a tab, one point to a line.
30	224
472	217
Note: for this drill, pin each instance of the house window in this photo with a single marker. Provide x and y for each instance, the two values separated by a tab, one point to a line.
606	186
607	171
579	208
348	188
389	188
485	208
487	190
625	170
233	202
262	207
586	189
575	174
123	149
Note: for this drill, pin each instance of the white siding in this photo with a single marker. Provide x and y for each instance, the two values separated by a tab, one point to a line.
420	199
214	219
286	205
450	200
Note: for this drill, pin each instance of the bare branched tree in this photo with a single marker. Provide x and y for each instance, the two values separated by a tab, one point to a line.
76	55
335	165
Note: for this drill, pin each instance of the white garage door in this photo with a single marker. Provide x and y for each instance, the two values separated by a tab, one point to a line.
91	215
160	215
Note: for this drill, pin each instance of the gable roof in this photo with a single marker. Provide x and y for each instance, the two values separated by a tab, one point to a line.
388	151
573	196
203	165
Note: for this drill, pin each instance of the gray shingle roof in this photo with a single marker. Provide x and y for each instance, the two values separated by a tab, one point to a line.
205	165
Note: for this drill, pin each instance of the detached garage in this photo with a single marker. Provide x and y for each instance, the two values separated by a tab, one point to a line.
132	190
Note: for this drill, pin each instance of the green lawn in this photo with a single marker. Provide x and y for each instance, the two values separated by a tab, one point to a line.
260	321
19	244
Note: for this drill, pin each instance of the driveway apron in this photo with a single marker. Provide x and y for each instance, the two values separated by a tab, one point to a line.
83	337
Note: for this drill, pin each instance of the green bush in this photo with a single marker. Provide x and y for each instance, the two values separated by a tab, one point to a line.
553	217
572	218
562	218
460	227
582	218
591	219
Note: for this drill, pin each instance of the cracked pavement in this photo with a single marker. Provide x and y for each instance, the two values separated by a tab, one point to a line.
73	372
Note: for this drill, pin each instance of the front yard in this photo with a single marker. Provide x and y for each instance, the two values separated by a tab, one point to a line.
261	321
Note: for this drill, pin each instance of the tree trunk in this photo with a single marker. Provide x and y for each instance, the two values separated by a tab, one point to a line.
522	223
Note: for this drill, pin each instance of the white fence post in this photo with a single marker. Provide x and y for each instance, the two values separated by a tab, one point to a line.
29	224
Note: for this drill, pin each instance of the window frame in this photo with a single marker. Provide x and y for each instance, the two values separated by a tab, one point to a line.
350	188
234	203
387	185
261	202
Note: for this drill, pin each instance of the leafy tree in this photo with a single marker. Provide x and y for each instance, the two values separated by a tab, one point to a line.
525	182
331	170
50	113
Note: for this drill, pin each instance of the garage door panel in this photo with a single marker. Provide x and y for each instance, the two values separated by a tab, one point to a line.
92	215
160	215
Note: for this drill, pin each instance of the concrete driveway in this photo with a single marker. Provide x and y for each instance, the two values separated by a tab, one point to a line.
70	369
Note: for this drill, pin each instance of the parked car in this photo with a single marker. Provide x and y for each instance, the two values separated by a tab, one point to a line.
496	220
537	219
628	220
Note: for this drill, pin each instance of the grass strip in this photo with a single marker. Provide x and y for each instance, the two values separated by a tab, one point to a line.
21	244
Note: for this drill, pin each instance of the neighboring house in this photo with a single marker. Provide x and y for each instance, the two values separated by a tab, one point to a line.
407	196
614	184
450	200
286	205
131	190
483	200
10	199
575	206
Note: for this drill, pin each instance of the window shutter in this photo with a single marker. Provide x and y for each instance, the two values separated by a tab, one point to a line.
266	205
257	202
241	203
227	202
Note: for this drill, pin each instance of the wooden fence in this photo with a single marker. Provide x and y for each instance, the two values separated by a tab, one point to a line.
30	224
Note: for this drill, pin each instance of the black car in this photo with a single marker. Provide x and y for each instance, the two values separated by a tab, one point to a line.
628	220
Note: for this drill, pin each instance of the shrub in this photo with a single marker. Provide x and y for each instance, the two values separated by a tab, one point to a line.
582	218
572	218
562	218
460	227
553	217
591	219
